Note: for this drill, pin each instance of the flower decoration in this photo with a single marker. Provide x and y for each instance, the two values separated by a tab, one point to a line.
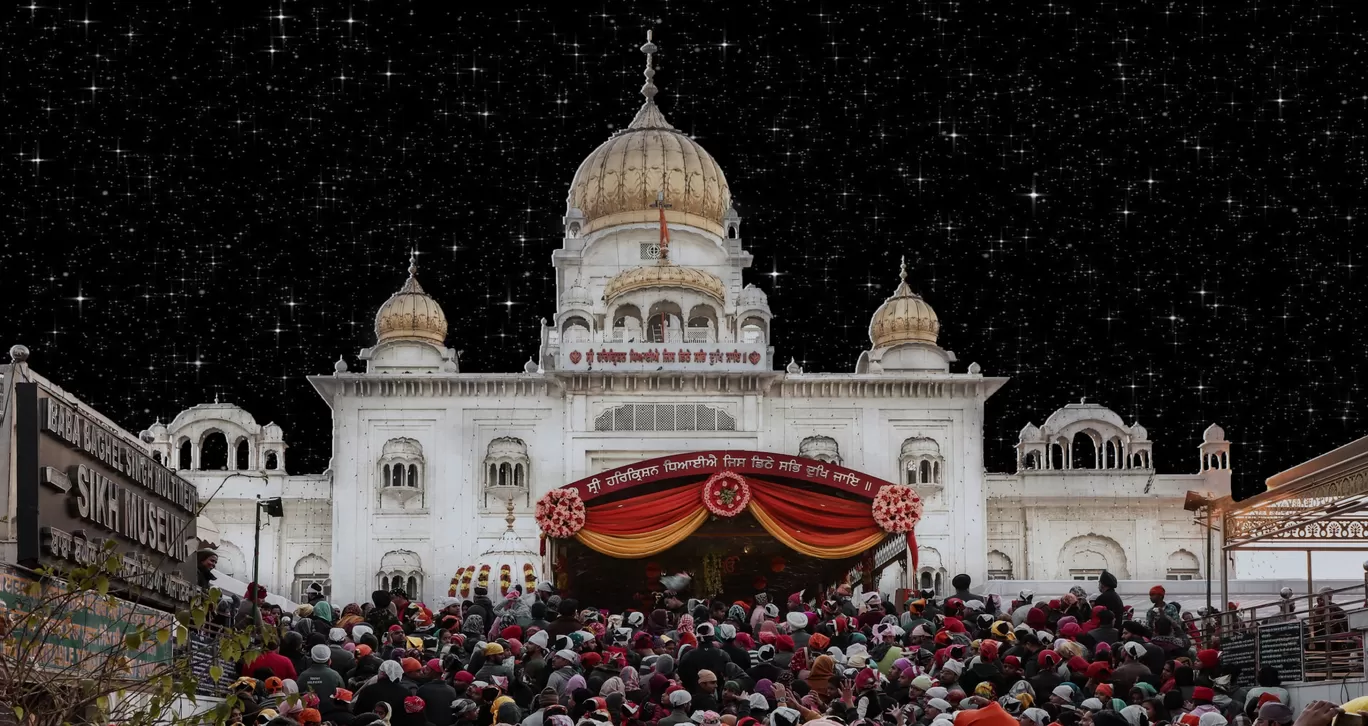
560	513
529	577
897	509
505	579
726	494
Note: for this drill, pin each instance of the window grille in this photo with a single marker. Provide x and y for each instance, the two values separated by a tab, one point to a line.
664	417
650	250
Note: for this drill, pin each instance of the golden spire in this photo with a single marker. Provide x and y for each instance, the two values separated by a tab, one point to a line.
649	48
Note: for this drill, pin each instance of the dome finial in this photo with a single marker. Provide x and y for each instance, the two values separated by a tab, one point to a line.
649	48
509	518
413	263
902	271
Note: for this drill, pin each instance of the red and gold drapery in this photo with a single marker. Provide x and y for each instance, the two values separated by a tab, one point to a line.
811	523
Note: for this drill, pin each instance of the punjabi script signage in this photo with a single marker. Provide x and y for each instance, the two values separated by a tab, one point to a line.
722	357
81	483
91	628
702	463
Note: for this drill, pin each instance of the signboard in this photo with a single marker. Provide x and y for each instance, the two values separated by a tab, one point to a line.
91	628
694	357
81	483
1281	645
702	463
204	655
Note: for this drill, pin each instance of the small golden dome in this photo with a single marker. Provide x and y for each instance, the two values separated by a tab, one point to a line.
903	318
665	274
411	314
618	182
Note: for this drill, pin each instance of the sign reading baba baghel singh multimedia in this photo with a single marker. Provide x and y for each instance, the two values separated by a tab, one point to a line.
81	483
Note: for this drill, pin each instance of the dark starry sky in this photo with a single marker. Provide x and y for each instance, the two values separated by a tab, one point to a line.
208	199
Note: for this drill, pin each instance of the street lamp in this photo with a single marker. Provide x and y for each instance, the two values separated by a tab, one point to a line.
1196	502
273	507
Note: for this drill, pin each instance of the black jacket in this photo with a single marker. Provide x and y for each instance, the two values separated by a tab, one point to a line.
1099	635
381	690
704	657
438	696
740	656
1112	602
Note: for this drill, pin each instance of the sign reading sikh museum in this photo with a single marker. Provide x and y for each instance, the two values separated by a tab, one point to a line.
81	483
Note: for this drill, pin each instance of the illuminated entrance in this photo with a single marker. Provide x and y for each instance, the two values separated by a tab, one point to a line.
737	521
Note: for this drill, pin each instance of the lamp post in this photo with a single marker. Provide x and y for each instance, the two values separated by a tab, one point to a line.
1194	502
274	508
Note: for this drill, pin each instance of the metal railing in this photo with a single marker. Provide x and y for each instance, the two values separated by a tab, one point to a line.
1326	648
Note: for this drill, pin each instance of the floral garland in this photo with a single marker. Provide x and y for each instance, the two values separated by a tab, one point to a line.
726	494
560	513
711	580
897	508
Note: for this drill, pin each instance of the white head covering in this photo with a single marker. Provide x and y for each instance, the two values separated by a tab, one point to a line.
1136	716
1063	692
1212	718
953	666
796	621
939	703
392	671
1041	716
1091	704
758	702
337	635
361	629
937	692
680	698
539	639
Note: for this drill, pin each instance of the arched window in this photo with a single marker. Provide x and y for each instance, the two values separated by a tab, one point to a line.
664	323
241	455
401	569
1083	451
821	448
509	467
1086	556
156	456
272	461
752	330
309	570
1183	565
400	471
920	457
214	452
231	561
575	329
999	566
702	326
186	457
626	324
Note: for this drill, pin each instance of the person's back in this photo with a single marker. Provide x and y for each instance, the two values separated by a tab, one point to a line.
438	696
280	666
677	716
322	680
343	661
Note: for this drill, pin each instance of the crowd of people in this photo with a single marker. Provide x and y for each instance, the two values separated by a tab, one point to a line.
538	659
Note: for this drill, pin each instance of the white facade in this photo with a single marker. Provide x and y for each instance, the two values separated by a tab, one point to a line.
656	347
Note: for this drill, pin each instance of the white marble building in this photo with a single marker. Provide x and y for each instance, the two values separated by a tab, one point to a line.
658	346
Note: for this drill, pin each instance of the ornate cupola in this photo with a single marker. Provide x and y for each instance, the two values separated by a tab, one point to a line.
411	314
904	333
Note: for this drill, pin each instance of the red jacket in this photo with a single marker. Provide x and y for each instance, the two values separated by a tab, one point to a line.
280	666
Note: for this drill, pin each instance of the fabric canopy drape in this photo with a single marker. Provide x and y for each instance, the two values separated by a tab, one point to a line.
817	525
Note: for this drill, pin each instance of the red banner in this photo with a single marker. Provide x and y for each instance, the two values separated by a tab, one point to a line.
705	463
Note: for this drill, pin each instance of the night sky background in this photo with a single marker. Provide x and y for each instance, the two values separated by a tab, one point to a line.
212	199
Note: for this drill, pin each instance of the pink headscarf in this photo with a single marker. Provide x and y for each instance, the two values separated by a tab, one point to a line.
685	624
631	677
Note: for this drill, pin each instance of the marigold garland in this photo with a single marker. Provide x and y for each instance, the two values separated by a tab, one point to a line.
897	509
726	494
560	513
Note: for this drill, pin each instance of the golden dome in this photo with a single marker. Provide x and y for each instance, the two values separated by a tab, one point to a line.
903	318
411	314
618	183
665	274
